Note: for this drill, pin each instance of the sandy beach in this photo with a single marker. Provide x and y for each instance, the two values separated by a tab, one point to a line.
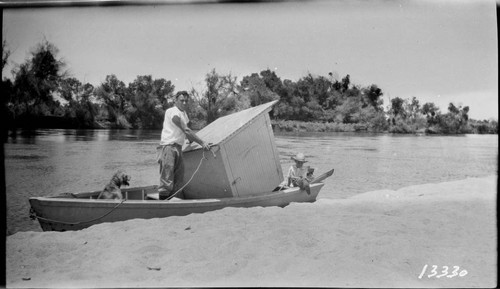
376	239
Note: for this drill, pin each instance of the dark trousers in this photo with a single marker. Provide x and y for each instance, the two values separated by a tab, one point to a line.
171	170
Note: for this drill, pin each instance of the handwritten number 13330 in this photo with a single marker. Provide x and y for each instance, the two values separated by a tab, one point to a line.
445	271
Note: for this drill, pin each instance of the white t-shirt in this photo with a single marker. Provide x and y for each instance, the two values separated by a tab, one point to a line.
171	133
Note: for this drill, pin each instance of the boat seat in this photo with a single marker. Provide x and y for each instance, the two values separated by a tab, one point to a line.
153	196
156	196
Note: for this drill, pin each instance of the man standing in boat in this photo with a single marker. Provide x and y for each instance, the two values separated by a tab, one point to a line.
173	136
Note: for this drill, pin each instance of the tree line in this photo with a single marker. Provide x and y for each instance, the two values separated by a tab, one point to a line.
42	93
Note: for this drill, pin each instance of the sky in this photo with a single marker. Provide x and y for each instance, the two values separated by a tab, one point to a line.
436	51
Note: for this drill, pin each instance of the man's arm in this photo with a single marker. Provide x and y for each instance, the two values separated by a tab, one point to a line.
189	133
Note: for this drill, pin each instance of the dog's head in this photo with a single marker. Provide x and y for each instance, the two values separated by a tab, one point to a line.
120	178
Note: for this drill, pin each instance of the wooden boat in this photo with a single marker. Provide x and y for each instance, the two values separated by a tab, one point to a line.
76	211
241	171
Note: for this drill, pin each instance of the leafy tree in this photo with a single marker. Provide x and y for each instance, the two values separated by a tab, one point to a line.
313	110
412	108
344	85
295	101
432	114
484	126
345	113
6	95
141	104
114	95
453	109
354	91
405	116
218	97
378	121
321	89
397	108
148	99
163	89
308	98
399	124
352	104
430	110
305	88
455	121
284	109
257	90
272	81
37	79
69	89
335	98
5	54
80	106
373	97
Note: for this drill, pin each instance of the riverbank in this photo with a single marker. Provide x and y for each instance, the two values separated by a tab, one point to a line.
376	239
476	127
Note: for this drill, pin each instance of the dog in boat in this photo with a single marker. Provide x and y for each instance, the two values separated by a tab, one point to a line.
112	189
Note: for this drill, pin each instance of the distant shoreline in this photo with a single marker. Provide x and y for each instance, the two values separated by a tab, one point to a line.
300	126
294	126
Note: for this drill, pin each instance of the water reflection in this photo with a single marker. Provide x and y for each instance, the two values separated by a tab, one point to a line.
25	157
71	135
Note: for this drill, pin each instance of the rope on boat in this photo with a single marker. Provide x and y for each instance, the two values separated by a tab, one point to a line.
78	223
192	176
33	214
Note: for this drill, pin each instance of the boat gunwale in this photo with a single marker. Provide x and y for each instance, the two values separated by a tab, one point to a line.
177	203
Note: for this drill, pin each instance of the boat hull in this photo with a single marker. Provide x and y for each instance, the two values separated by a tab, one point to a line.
68	214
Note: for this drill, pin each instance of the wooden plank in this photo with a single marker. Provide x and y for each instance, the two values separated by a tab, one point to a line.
274	147
252	161
228	170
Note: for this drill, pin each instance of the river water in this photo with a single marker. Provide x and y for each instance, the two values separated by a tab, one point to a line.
47	162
